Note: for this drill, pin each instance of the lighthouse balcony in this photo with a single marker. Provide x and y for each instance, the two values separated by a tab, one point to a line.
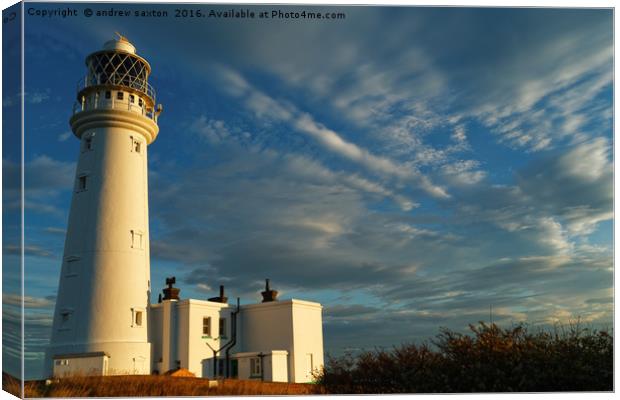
118	98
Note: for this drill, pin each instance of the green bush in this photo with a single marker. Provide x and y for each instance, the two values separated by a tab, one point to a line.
491	359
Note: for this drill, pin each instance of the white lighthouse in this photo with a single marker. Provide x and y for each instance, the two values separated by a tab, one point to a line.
100	321
102	307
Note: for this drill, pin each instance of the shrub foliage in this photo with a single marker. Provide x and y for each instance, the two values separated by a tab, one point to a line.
490	359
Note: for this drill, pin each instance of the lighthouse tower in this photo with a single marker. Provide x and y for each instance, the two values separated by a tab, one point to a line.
100	322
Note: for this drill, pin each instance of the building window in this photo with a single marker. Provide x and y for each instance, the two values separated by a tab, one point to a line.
140	102
223	327
206	326
108	94
136	240
62	362
71	262
120	95
88	142
138	318
136	144
255	367
65	319
81	185
132	98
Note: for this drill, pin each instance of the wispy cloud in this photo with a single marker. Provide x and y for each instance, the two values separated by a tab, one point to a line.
28	301
29	250
36	97
263	105
64	136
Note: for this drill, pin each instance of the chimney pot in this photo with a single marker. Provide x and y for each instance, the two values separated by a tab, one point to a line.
171	293
268	294
221	298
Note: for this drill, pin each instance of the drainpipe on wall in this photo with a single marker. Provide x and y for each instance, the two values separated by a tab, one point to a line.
231	342
228	346
214	359
262	366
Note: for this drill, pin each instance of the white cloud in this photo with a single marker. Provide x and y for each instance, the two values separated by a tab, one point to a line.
64	136
534	112
463	172
266	106
55	230
29	301
459	135
203	287
46	172
37	97
551	234
29	250
583	220
335	143
215	131
313	169
588	161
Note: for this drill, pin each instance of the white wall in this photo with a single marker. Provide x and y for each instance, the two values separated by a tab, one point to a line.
187	343
155	332
289	333
199	354
291	325
93	365
105	275
266	326
274	365
278	371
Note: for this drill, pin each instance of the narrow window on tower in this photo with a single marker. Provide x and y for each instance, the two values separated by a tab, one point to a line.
65	319
136	145
71	265
120	95
138	318
108	94
88	142
206	326
136	239
132	98
140	102
81	183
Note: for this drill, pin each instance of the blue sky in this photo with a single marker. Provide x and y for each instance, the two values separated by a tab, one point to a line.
406	167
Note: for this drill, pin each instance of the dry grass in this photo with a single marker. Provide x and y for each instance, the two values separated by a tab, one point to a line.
145	385
11	384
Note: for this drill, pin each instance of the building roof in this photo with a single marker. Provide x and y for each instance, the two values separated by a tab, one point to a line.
82	355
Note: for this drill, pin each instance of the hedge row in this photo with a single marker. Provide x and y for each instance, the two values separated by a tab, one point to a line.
491	359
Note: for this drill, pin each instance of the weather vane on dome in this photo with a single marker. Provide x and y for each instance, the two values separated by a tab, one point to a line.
121	38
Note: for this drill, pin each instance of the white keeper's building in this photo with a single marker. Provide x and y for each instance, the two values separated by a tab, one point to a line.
104	323
278	341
